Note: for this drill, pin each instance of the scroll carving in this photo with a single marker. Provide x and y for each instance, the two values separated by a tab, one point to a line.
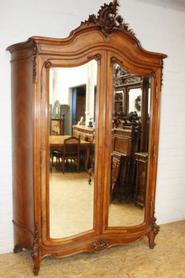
100	245
153	232
108	20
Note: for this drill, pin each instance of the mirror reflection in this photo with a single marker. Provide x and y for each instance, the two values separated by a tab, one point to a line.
129	157
72	103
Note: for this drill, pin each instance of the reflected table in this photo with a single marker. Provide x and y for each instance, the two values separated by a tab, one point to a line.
56	142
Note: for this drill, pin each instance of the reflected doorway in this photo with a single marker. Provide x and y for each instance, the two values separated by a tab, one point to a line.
72	149
78	104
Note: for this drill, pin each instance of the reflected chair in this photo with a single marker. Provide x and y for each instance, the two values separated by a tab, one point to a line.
55	159
71	153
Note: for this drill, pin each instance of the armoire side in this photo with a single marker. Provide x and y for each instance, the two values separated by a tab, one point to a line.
23	147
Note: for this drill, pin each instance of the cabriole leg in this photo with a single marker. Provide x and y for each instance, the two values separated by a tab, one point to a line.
152	234
151	239
36	262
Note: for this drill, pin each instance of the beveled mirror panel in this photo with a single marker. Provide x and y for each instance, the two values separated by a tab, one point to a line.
72	102
129	156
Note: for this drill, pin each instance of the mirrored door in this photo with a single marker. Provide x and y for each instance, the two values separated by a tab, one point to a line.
72	139
131	95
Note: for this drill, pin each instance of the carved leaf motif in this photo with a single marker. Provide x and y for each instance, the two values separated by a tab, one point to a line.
155	227
108	20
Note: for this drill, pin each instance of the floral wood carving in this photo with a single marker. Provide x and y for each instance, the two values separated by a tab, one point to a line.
100	245
35	250
153	232
34	63
108	20
155	227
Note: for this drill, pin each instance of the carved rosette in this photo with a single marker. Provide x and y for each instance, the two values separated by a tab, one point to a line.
100	245
108	20
48	64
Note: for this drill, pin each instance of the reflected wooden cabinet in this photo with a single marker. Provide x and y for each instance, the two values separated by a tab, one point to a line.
85	133
122	186
48	208
141	177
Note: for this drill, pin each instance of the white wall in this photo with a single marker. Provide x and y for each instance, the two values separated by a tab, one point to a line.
159	28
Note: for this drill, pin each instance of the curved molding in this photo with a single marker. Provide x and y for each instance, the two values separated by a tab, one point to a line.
107	23
96	57
127	64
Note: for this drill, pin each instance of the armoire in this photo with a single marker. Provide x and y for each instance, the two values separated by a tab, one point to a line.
101	46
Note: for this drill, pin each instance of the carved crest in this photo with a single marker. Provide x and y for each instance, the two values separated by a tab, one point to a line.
108	20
